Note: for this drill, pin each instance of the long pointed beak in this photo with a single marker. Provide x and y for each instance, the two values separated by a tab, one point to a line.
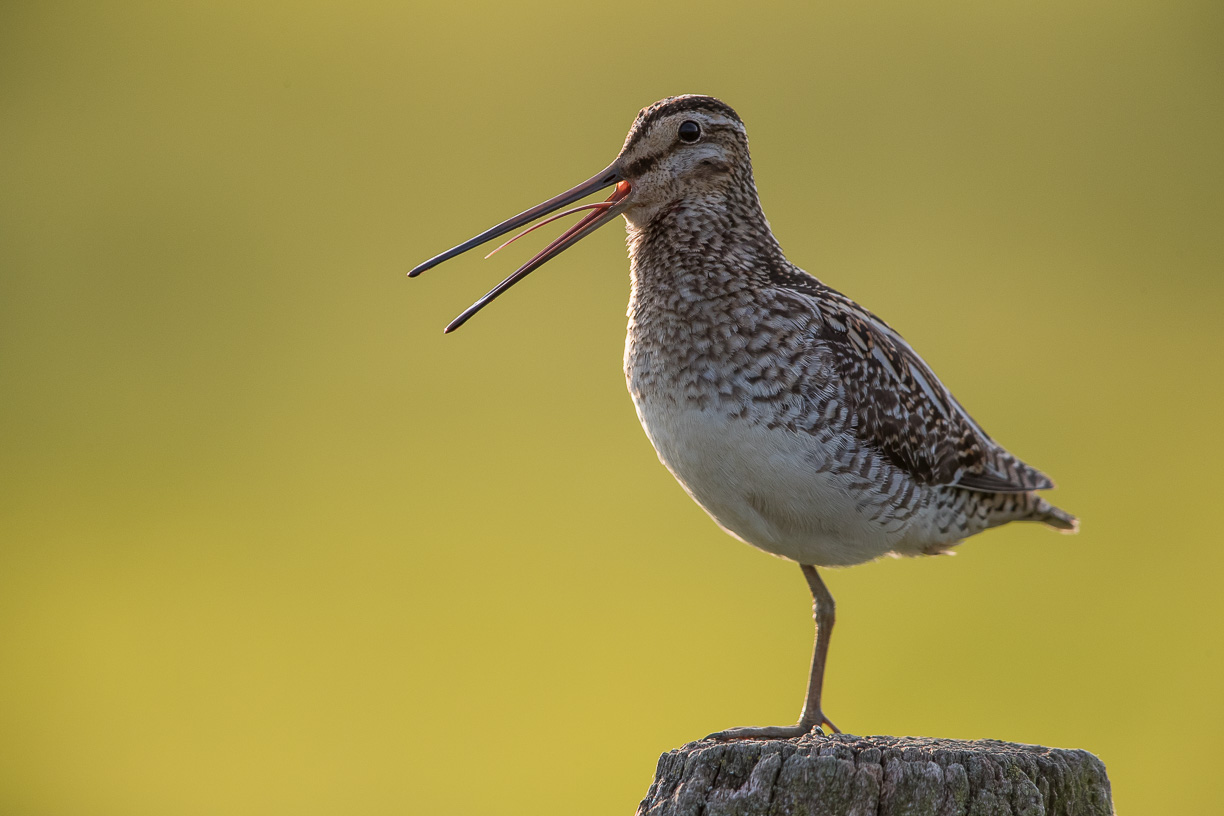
601	215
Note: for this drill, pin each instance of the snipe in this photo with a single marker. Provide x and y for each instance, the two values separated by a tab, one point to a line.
798	420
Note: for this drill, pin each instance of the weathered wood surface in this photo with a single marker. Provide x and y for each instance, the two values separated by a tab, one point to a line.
845	775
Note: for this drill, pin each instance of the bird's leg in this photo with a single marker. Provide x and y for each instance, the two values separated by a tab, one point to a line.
823	610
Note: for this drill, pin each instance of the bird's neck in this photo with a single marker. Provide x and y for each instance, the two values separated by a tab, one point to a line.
702	246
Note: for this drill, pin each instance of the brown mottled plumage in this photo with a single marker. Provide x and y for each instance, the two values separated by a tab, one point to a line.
802	423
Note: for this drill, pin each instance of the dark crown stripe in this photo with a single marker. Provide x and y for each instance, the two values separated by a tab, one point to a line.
647	117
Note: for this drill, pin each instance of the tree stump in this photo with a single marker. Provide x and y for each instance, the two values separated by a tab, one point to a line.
845	775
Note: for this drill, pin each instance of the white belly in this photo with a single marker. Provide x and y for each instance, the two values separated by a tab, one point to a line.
765	487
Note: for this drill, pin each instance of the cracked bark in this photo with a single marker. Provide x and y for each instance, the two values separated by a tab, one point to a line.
845	775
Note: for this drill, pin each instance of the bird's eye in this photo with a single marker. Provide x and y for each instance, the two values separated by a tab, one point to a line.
690	131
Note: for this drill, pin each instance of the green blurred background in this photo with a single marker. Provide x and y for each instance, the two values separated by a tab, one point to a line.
272	544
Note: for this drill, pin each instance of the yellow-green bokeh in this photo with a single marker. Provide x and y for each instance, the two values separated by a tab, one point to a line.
270	543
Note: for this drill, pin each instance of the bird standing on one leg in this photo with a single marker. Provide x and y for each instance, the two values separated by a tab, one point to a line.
798	420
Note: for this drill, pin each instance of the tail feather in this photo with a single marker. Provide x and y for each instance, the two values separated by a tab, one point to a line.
1056	517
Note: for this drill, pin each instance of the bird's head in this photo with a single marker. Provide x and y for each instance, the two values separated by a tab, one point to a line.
680	149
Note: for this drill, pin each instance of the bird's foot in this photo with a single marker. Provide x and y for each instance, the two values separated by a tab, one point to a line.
779	732
767	732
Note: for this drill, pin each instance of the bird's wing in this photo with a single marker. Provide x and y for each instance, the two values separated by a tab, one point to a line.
899	407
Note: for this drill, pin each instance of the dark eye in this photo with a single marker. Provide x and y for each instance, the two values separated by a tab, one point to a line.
690	131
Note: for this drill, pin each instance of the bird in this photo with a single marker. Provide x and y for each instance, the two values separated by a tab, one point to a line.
799	421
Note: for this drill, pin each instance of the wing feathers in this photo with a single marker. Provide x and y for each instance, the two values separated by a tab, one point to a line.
900	407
